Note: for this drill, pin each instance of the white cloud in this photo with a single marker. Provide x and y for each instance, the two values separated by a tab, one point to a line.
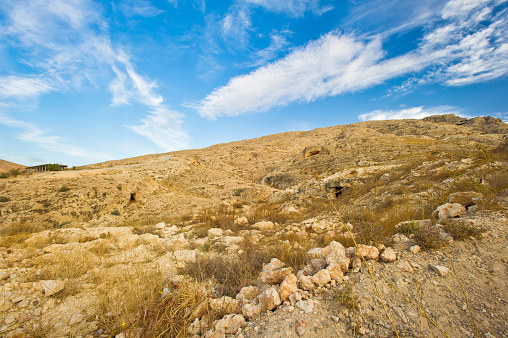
294	8
332	65
143	8
20	87
70	50
409	113
33	134
278	43
163	127
458	50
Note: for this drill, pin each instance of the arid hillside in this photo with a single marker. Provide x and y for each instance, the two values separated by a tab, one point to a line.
378	229
6	166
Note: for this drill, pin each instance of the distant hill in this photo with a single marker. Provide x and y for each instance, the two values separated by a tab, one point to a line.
5	166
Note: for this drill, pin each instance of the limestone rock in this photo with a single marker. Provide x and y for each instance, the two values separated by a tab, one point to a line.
315	253
414	249
317	265
368	252
53	248
440	270
215	232
388	255
269	299
226	305
230	324
185	256
51	287
306	283
248	293
306	306
274	277
288	287
449	210
467	198
251	310
242	221
336	272
321	278
264	225
274	264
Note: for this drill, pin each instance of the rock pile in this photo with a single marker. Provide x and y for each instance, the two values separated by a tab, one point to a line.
279	286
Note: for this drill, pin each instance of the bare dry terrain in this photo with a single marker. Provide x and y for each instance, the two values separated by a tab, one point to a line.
330	232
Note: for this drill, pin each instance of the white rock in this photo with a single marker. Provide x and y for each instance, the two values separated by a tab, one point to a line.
274	264
306	283
288	287
265	225
215	232
449	210
51	287
306	306
242	221
321	278
251	310
230	324
388	255
269	299
414	249
440	270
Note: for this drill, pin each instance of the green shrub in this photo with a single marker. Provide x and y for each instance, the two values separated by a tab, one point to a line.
4	199
54	167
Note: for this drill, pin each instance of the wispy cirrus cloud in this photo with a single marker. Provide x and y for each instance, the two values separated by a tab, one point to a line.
34	134
410	113
70	50
459	49
143	8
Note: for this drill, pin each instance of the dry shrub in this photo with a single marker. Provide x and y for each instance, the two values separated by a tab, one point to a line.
228	272
500	153
377	224
293	256
428	238
344	295
66	265
462	229
133	298
17	232
221	217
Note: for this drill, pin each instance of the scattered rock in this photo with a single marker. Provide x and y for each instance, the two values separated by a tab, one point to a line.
306	283
388	255
306	306
368	252
449	210
321	278
274	264
242	221
269	299
215	232
288	287
274	277
300	325
440	270
265	225
230	324
51	287
414	249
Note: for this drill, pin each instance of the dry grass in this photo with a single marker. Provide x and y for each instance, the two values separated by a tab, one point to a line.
133	298
17	233
228	272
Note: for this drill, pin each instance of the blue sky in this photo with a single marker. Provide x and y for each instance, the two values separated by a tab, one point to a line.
85	81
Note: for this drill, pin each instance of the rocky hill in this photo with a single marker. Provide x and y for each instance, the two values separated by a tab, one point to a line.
381	228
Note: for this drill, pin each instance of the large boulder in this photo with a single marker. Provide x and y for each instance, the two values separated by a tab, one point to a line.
449	210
